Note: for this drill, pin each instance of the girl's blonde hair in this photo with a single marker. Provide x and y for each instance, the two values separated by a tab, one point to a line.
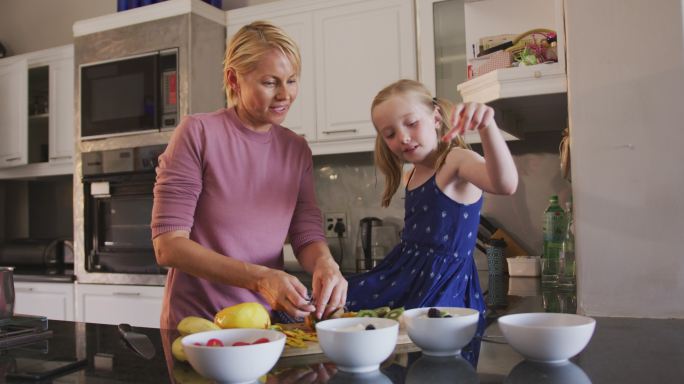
390	164
249	44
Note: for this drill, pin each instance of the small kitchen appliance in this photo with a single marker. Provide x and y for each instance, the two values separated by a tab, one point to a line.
118	197
6	292
374	241
129	95
36	253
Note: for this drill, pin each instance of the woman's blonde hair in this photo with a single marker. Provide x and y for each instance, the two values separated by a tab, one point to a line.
249	44
390	164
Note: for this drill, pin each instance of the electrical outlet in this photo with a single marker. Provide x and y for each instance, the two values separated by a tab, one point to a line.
332	218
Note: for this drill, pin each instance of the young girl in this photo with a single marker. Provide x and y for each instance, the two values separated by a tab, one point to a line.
433	264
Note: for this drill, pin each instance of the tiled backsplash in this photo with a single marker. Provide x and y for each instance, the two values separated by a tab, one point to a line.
351	183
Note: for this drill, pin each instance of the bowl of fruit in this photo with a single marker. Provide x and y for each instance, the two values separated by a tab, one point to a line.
358	344
235	355
441	331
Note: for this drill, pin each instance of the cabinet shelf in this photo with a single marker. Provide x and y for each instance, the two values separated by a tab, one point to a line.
41	116
540	79
526	99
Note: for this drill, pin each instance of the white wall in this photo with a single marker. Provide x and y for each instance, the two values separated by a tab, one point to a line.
626	86
32	25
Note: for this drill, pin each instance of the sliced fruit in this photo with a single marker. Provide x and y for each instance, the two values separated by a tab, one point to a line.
395	313
366	313
310	321
243	315
240	344
214	343
194	324
339	312
261	340
382	311
370	327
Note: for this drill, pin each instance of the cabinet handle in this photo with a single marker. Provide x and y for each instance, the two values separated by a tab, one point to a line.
353	130
60	157
13	159
126	293
24	289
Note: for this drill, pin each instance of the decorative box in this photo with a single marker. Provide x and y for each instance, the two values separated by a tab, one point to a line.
524	266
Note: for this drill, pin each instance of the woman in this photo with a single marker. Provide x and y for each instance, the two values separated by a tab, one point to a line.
232	185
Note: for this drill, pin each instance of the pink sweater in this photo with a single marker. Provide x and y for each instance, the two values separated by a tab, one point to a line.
239	193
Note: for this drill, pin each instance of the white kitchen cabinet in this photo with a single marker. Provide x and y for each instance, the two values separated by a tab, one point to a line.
114	304
13	112
61	137
350	50
52	300
301	117
526	98
37	113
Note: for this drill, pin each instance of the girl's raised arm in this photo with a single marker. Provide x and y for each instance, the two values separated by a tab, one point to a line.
493	173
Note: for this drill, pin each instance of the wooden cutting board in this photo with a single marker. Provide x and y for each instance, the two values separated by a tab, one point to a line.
404	344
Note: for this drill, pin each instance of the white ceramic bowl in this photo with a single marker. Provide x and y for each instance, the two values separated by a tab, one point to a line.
359	350
547	337
443	336
229	364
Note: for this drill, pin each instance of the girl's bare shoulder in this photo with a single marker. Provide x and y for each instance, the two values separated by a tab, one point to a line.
457	157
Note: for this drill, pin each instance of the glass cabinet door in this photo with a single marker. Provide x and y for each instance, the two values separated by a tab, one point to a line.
442	46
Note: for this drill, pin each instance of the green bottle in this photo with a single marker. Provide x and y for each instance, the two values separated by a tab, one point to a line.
553	229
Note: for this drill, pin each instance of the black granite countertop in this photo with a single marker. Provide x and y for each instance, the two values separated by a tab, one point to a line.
622	350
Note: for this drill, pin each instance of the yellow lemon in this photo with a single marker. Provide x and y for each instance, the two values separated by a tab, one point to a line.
194	324
185	374
177	349
243	315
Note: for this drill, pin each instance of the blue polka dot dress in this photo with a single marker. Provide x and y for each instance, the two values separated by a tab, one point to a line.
433	264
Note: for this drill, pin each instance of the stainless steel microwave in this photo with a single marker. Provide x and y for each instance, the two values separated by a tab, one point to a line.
132	95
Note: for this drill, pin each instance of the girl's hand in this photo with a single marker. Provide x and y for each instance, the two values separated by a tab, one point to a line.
470	117
329	287
284	292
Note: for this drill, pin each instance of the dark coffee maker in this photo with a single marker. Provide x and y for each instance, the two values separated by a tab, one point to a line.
374	241
366	238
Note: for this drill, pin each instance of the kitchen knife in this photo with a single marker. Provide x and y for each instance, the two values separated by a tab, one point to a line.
138	341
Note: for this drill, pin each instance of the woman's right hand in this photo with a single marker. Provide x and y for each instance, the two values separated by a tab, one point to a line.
284	292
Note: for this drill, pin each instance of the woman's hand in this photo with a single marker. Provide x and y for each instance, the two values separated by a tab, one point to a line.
284	292
329	287
470	117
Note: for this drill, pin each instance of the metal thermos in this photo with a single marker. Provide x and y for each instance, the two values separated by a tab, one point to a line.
366	235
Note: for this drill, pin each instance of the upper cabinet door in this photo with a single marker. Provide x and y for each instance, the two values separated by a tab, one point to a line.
62	141
13	113
300	118
360	48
